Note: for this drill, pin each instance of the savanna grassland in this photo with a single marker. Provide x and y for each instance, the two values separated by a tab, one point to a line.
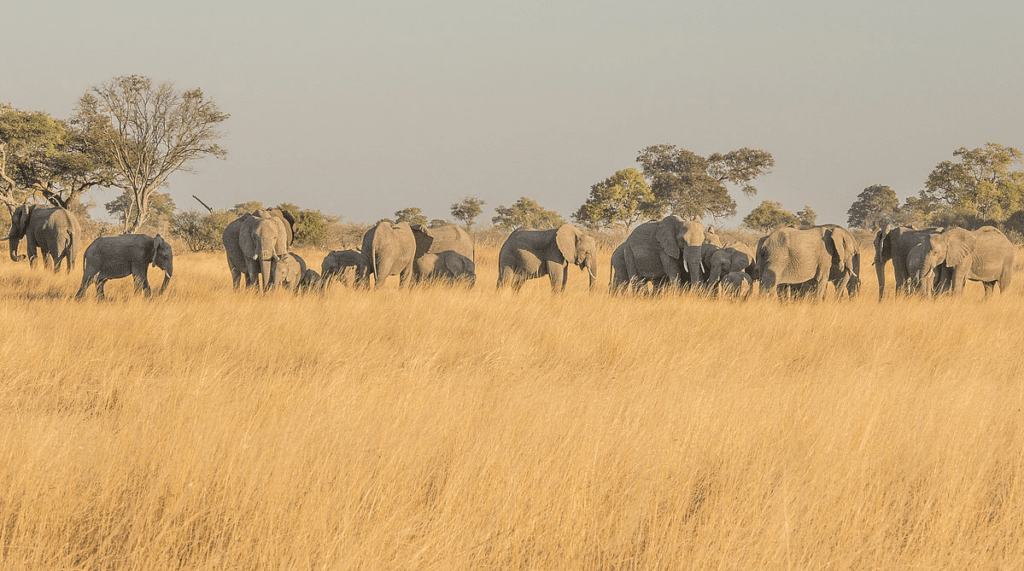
451	429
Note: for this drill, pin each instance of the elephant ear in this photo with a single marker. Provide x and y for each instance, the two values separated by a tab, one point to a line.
423	239
666	236
844	246
566	238
959	243
157	242
289	226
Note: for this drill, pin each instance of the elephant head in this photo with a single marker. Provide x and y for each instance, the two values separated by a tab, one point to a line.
950	247
883	253
578	248
19	225
264	239
163	258
682	240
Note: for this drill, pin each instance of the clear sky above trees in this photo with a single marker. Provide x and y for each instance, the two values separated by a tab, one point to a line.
361	109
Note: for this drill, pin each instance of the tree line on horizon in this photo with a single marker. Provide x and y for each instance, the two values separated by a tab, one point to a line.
132	133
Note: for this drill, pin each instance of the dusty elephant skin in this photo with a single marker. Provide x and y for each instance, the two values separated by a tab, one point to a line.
895	244
664	252
114	257
254	243
390	250
50	231
445	267
529	254
818	255
984	255
290	270
337	262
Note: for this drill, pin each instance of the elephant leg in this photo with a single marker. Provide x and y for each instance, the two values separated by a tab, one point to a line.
86	282
100	284
142	284
236	278
557	276
989	286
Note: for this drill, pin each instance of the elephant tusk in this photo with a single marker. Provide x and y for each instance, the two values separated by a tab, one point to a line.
592	276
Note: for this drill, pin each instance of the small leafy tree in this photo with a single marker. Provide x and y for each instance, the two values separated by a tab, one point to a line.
875	206
769	216
980	186
201	230
807	218
160	203
623	198
526	213
412	215
311	226
467	209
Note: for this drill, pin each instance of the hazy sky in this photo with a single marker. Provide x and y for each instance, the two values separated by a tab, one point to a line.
363	108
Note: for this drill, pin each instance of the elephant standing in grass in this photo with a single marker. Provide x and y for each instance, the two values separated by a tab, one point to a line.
337	262
113	257
310	280
290	270
447	267
52	231
895	244
666	251
254	243
735	283
817	255
718	262
984	255
528	254
390	249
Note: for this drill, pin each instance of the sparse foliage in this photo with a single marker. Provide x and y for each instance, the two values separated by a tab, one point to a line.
624	198
310	227
201	230
467	209
769	216
412	215
526	213
875	206
980	187
807	218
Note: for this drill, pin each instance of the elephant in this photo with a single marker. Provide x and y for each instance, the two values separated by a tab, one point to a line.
660	251
711	237
528	254
290	270
734	283
53	231
113	257
736	257
447	266
819	255
983	255
447	238
895	244
390	250
310	280
255	242
337	262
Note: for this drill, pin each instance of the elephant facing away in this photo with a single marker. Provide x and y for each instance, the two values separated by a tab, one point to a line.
895	244
816	256
337	262
666	251
254	243
984	255
390	250
447	267
52	232
529	254
114	257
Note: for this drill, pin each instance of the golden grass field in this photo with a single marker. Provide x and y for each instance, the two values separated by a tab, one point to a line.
451	429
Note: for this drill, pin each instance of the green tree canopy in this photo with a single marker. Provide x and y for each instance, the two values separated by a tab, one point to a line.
412	215
807	218
160	203
875	206
770	216
152	131
310	227
467	209
526	213
980	186
690	185
624	198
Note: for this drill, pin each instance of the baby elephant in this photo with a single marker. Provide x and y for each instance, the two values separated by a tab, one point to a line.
733	283
310	280
290	270
338	261
112	257
448	266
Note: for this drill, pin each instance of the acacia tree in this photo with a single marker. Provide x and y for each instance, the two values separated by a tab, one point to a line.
875	206
770	216
694	186
150	132
980	186
526	213
623	198
413	215
467	210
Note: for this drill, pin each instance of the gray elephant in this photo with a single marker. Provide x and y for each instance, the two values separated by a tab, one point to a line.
290	270
337	262
660	251
254	243
711	237
390	250
895	244
528	254
736	257
447	266
447	238
114	257
735	283
310	280
817	255
53	232
984	255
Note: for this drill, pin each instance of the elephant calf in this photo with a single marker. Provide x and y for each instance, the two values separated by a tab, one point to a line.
310	280
735	283
290	270
337	262
113	257
448	266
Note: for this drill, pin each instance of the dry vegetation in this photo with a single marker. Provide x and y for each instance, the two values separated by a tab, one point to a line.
453	429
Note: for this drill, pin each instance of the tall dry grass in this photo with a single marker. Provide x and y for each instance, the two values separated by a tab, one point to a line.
454	429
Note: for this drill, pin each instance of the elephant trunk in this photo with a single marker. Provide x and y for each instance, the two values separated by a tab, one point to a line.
591	267
267	269
167	280
694	265
880	272
14	249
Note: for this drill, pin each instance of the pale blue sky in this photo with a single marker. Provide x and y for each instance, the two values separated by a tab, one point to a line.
361	109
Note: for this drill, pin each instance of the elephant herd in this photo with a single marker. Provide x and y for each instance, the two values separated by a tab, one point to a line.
671	253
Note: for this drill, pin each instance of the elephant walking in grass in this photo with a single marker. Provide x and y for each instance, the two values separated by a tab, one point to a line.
718	262
310	280
529	254
817	256
444	253
984	255
445	267
290	270
666	251
114	257
390	249
52	232
735	283
895	244
337	262
254	244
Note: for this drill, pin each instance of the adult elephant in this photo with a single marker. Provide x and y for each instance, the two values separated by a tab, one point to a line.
451	243
660	251
113	257
984	255
528	254
390	249
813	256
50	231
895	244
254	243
337	262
